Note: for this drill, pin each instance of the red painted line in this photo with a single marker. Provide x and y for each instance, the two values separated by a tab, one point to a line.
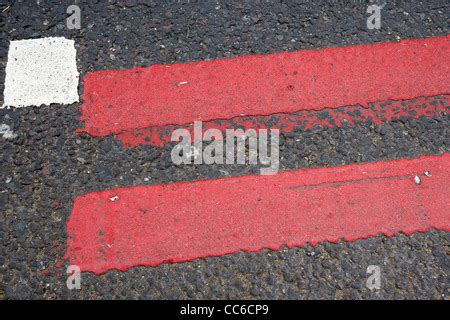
261	85
377	113
149	225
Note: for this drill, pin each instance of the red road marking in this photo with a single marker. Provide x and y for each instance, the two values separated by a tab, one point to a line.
377	112
148	225
261	85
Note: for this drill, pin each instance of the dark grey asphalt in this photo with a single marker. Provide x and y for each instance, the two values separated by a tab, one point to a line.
48	162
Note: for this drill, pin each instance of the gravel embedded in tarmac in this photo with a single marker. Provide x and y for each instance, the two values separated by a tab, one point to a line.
48	163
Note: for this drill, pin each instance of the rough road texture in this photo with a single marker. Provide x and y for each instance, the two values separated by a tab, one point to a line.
48	164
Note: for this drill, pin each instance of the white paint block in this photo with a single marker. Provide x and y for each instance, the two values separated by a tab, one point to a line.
41	71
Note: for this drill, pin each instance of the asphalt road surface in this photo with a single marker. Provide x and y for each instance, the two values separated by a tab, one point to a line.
48	163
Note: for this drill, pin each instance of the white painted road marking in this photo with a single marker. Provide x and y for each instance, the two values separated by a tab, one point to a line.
41	71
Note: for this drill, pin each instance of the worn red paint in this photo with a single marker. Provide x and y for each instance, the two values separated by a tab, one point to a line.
287	82
377	113
149	225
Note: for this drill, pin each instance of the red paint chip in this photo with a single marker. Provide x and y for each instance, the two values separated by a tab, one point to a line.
149	225
161	95
304	120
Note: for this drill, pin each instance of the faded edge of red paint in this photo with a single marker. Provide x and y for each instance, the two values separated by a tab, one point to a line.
148	225
286	82
377	113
